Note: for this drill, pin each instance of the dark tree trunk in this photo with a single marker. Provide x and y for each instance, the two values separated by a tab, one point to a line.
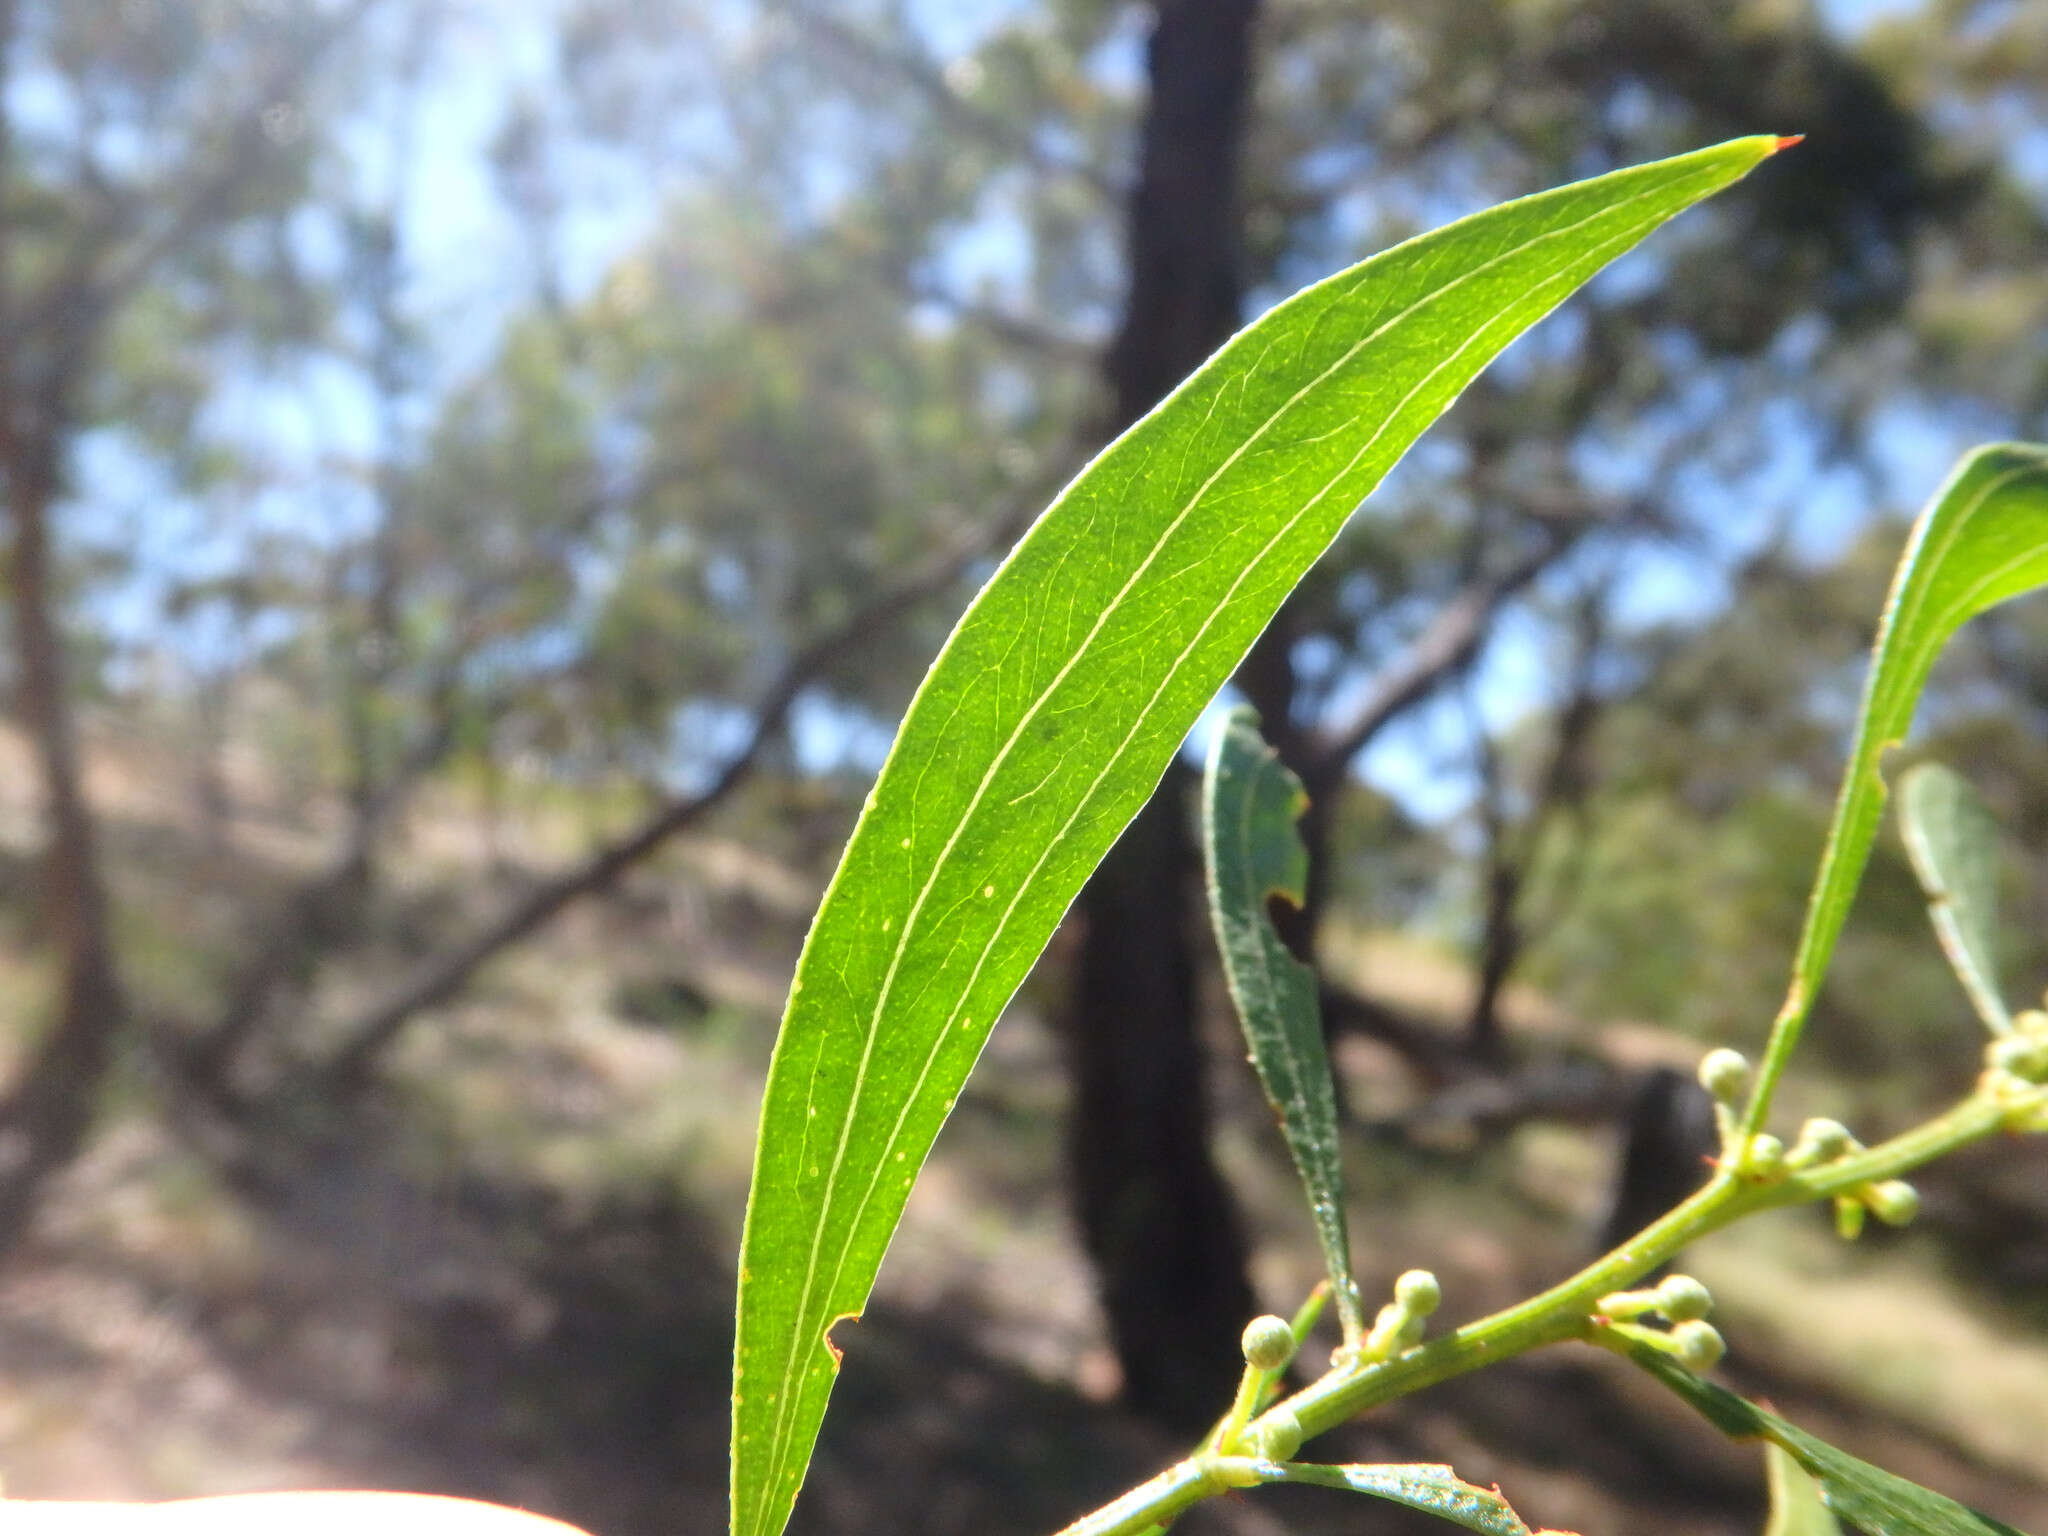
1154	1214
1498	955
1667	1154
1168	1250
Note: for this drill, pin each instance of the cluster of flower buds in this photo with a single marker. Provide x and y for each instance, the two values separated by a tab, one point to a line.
1679	1300
1398	1328
1268	1344
1820	1142
1724	1073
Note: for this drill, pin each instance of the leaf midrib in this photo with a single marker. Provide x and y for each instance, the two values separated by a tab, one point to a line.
871	1033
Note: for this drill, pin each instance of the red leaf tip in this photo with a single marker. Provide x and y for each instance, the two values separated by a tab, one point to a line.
1786	141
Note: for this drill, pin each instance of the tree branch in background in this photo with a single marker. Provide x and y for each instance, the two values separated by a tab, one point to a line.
110	262
372	1033
1428	1052
321	913
1027	332
1448	642
316	916
929	81
1511	847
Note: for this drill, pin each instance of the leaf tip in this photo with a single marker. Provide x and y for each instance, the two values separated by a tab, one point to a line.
1786	141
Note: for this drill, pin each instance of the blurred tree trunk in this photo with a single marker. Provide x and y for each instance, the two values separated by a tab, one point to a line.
112	239
47	1113
1154	1214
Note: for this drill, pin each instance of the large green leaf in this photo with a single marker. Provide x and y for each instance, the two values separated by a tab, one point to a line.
1953	842
1982	540
1797	1508
1426	1486
1251	853
1876	1502
1055	707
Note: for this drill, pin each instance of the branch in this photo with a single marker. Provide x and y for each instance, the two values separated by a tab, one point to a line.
1018	330
1510	851
314	918
1450	640
96	276
348	1071
1430	1053
930	82
313	915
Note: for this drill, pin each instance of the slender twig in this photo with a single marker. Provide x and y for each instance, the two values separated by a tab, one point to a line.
1567	1310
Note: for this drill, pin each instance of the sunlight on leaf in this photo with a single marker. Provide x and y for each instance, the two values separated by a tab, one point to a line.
1982	540
1953	842
1054	709
1251	853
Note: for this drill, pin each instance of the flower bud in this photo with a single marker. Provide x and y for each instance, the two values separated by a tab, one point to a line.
1268	1343
2024	1056
1724	1073
1697	1345
1848	1218
1895	1201
1820	1141
1681	1298
1765	1158
1418	1293
1277	1435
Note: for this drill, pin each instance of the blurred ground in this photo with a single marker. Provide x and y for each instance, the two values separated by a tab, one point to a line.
512	1280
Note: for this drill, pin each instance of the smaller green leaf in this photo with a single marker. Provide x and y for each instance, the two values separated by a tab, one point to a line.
1797	1509
1952	839
1252	852
1982	541
1430	1487
1876	1502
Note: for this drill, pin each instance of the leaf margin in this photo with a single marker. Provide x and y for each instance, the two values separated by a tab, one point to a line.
1951	839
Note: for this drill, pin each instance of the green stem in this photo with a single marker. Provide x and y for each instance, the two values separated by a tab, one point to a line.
1563	1311
1150	1504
